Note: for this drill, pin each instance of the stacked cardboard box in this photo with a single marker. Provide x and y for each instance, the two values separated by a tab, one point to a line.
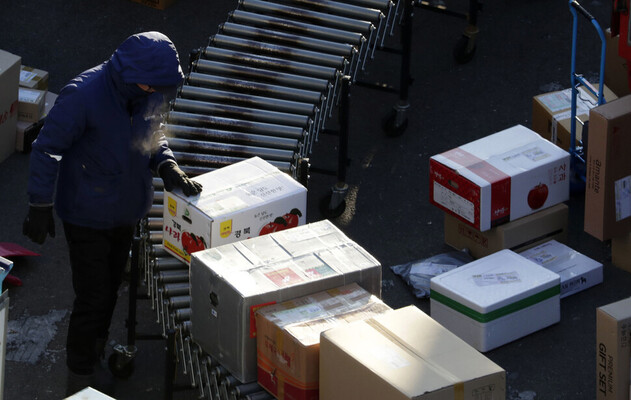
613	350
608	176
240	201
288	337
229	283
615	67
35	101
9	82
551	113
499	178
404	354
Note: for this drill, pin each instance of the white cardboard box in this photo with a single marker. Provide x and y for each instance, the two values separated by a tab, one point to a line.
495	299
404	354
237	202
31	104
499	178
577	271
230	283
9	84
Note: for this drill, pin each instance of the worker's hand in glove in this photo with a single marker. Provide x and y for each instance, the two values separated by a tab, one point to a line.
174	177
38	223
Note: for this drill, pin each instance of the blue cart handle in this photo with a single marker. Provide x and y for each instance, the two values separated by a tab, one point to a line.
582	10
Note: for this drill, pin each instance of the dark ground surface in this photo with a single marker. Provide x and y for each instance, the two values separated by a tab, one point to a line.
523	49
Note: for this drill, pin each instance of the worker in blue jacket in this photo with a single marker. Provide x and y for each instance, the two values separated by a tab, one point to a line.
97	153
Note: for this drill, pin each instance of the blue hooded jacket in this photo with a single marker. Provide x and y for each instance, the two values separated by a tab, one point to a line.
101	142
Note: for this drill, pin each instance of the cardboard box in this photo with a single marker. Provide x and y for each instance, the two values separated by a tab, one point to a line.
621	251
496	299
288	337
613	341
500	178
551	113
577	271
159	4
9	82
239	201
608	170
31	104
615	66
33	78
27	131
517	235
404	354
230	282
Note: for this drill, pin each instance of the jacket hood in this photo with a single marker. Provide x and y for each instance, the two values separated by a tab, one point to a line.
148	58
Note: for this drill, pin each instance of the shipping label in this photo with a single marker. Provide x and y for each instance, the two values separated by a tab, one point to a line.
454	202
499	278
622	193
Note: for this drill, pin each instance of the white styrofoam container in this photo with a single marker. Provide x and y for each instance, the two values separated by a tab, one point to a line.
577	271
237	202
500	177
496	299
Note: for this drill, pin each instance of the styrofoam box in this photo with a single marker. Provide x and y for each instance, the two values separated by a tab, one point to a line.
496	299
577	271
229	283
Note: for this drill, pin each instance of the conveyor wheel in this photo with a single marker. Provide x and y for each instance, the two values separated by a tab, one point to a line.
464	50
121	362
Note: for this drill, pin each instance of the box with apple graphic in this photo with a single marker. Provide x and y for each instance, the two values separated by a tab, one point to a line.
499	178
243	200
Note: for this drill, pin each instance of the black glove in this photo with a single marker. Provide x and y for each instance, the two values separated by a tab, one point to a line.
38	223
174	177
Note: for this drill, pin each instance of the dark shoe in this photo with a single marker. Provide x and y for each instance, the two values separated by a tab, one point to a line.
77	382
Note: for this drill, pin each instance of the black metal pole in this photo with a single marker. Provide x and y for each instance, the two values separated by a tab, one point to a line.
133	291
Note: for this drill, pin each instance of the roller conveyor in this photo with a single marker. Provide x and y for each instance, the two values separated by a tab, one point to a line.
224	136
187	145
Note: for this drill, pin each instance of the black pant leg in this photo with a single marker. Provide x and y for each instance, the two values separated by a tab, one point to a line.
97	259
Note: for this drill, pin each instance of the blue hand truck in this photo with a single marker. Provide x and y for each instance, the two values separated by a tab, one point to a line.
578	148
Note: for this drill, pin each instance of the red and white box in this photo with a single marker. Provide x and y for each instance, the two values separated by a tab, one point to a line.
499	178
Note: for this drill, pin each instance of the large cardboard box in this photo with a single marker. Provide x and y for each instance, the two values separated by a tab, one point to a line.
517	235
27	131
402	355
495	300
615	66
9	82
613	342
230	282
288	337
577	271
551	113
33	78
239	201
500	178
608	175
621	251
31	103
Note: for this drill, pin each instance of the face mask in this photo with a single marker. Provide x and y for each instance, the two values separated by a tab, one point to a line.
131	91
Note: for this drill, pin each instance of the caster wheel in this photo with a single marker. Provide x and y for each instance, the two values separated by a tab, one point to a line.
329	213
120	368
390	127
464	50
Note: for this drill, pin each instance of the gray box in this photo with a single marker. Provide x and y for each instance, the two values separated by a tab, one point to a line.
230	282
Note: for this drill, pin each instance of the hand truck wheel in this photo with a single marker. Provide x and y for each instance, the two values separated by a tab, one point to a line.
396	121
334	204
464	50
121	361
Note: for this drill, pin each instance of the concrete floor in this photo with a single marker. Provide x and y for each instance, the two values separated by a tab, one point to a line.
523	50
